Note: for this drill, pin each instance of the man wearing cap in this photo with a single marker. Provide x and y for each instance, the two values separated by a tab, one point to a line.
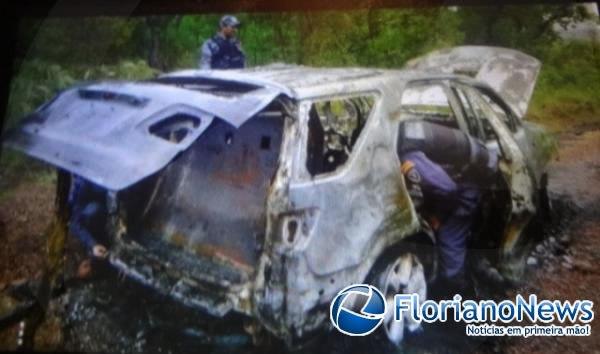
223	51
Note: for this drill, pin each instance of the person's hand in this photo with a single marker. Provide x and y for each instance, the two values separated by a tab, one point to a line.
99	251
85	269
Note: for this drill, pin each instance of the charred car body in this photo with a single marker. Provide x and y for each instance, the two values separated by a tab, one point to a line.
265	191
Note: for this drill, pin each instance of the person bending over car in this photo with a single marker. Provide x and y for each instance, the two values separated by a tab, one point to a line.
445	170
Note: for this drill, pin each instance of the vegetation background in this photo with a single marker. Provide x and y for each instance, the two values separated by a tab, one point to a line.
55	53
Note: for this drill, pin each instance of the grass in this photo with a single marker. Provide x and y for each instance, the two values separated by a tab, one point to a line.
567	94
548	145
16	168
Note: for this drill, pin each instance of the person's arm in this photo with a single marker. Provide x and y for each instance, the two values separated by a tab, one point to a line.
242	54
74	190
434	179
206	54
82	212
77	227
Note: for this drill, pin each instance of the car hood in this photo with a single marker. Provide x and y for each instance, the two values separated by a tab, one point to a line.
103	132
511	73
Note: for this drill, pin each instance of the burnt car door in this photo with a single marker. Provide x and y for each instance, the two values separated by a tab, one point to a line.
334	178
497	136
529	136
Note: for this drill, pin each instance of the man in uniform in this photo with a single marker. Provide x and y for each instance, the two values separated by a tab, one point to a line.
448	169
223	51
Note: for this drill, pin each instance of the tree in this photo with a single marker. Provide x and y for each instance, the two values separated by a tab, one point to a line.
528	28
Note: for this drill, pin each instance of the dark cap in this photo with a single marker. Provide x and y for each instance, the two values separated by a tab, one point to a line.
229	21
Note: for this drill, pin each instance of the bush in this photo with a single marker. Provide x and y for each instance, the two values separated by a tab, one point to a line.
32	85
568	87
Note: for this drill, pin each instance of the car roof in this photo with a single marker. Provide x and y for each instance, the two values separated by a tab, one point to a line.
301	81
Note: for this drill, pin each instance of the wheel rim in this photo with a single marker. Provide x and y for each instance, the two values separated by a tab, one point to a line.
404	276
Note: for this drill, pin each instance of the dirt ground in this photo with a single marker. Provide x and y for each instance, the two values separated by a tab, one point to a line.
24	215
568	272
575	175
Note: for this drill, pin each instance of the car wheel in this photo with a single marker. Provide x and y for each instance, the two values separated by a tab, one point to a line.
403	275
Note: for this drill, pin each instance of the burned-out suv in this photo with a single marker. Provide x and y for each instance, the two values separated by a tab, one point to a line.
267	190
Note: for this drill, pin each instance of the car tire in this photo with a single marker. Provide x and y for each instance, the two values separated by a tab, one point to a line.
400	274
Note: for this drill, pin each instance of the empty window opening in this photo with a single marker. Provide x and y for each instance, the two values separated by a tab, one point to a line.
501	111
175	128
429	102
292	228
483	112
333	129
469	112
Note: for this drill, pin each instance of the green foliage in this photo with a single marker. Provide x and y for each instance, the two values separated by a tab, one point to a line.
125	70
568	87
185	37
547	144
73	41
394	37
55	53
529	28
268	38
33	84
381	38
